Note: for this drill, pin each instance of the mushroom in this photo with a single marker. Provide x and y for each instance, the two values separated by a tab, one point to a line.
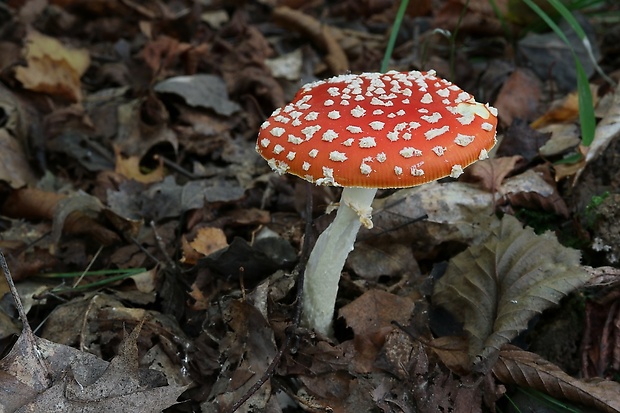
364	132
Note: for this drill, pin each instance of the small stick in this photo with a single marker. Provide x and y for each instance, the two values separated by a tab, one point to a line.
27	333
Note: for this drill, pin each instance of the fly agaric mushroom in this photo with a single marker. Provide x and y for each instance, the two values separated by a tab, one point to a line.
369	131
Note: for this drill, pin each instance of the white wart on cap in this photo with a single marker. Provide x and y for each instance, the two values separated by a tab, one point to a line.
378	130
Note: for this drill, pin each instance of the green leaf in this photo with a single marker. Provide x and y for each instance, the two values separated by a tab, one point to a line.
586	107
496	288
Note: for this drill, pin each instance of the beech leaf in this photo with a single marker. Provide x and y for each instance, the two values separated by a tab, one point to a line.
516	366
497	287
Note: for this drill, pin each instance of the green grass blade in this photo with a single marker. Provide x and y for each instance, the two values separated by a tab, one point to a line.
574	24
570	19
130	271
395	28
586	107
502	19
549	401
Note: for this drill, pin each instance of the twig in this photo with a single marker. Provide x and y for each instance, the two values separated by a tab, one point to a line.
90	264
27	333
18	302
176	167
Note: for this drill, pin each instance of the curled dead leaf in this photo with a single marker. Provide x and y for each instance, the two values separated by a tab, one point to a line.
516	366
72	216
52	68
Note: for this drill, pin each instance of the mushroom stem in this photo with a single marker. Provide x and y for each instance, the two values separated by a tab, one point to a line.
329	255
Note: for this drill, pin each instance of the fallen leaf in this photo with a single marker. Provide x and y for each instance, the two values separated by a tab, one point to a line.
71	215
402	356
452	350
287	66
426	216
374	310
208	240
491	172
519	96
254	261
52	68
516	366
203	91
564	138
248	348
143	124
434	387
130	168
39	375
14	167
190	255
319	33
497	287
564	110
607	129
535	189
521	139
371	261
146	281
163	53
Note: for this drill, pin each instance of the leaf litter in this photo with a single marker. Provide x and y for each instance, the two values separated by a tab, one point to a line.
496	288
39	375
129	134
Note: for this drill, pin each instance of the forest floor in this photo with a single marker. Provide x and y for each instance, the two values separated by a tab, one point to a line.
156	254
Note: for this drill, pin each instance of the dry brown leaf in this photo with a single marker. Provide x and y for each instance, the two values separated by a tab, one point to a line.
129	167
534	201
371	261
142	124
521	139
163	53
434	388
374	310
251	216
491	172
80	382
146	281
208	240
519	96
565	110
535	189
452	350
52	68
248	348
14	167
189	255
568	170
564	138
30	203
516	366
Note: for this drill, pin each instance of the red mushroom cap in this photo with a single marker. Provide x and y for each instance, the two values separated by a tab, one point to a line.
378	130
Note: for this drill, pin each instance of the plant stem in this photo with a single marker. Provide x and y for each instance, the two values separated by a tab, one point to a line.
395	28
329	255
